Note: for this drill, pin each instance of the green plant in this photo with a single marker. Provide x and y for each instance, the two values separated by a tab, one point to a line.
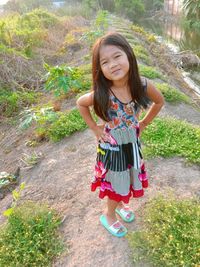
92	35
171	94
67	124
148	36
101	21
39	115
131	8
30	160
30	236
16	196
168	137
171	233
62	78
149	72
141	53
12	102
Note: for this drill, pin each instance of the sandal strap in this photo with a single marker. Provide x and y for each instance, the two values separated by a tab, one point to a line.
116	226
125	212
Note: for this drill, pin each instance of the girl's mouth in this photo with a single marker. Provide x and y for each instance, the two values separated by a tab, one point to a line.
115	71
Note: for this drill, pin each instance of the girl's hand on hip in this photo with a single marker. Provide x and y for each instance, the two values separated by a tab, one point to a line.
99	132
142	126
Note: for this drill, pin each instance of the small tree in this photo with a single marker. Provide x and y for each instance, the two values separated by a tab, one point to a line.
23	6
130	8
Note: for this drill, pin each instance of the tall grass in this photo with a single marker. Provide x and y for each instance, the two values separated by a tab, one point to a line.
170	235
30	237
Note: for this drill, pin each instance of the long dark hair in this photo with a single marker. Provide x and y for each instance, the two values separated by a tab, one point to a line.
101	84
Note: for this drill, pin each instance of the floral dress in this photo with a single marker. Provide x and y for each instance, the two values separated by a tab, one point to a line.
120	171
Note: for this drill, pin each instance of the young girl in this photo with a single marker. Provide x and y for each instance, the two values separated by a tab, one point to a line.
118	95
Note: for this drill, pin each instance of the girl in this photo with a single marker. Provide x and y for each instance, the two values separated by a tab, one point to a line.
118	95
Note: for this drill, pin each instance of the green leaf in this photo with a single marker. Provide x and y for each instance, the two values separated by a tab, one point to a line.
8	212
15	195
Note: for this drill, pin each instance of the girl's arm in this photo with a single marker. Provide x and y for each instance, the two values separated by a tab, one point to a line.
84	103
158	101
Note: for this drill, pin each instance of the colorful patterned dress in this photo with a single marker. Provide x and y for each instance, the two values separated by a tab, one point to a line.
120	170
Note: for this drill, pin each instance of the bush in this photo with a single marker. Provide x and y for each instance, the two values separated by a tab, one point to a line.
168	137
66	125
171	94
30	237
12	102
171	235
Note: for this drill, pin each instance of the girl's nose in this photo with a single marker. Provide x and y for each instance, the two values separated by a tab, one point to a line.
112	64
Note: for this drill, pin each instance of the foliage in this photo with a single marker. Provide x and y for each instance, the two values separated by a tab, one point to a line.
101	21
100	4
67	124
16	196
148	36
26	31
62	78
23	6
52	125
99	28
149	72
153	4
192	15
171	94
30	237
168	137
42	116
12	102
131	8
141	53
192	9
171	233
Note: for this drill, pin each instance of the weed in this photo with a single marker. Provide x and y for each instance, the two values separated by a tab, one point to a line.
171	235
171	94
168	137
30	236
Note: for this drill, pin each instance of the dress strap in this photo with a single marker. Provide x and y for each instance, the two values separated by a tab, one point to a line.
119	99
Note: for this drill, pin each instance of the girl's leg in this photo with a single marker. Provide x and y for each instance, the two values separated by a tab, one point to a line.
110	211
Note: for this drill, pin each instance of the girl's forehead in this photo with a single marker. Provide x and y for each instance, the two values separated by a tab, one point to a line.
109	50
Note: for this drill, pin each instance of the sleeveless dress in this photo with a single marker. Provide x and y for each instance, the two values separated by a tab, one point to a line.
120	171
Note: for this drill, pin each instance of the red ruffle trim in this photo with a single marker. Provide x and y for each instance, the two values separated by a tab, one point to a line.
113	196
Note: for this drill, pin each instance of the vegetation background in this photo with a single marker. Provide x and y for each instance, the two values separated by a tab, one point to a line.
49	217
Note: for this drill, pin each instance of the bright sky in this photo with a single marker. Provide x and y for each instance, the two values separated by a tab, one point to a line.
2	2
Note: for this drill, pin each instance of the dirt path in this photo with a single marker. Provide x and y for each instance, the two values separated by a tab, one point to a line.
62	178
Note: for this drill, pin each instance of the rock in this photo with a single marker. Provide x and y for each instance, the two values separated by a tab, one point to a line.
188	59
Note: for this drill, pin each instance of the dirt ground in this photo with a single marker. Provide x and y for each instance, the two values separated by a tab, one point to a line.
62	179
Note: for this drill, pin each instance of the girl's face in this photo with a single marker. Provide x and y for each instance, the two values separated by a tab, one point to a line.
114	63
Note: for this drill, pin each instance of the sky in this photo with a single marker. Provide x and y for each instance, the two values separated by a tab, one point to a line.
2	2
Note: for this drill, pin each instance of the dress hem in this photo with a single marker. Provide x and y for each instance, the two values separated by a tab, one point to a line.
117	197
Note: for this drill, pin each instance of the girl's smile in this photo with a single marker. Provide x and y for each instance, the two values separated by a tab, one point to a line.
114	63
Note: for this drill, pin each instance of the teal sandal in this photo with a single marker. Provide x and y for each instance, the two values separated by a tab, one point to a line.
123	213
114	228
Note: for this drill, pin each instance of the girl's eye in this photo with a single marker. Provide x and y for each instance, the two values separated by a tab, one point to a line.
103	63
117	56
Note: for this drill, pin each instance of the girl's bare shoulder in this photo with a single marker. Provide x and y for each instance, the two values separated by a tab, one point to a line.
86	99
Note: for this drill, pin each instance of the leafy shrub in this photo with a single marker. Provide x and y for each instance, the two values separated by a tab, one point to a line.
149	72
141	53
26	31
131	8
67	124
12	102
171	94
148	36
168	137
30	237
171	233
62	78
